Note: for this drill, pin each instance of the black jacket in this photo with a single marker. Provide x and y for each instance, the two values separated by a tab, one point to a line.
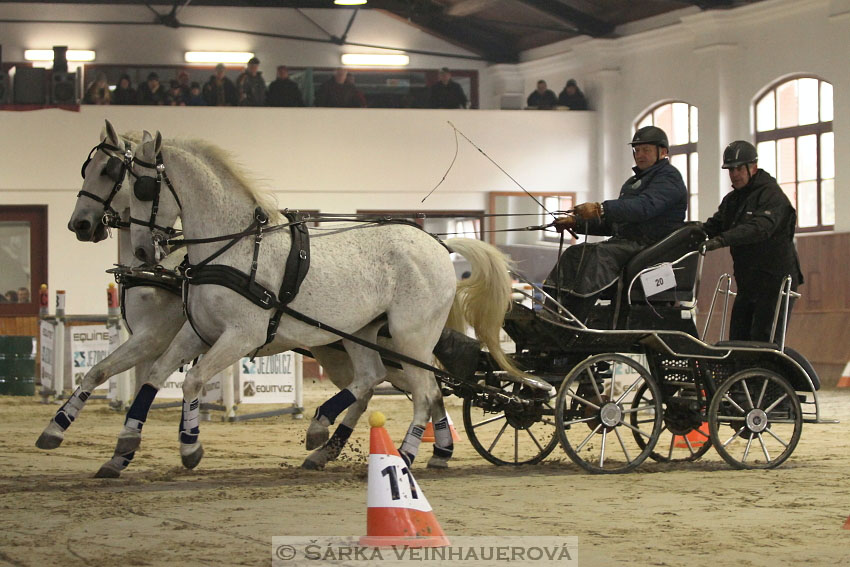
545	100
576	101
757	222
284	92
652	204
450	95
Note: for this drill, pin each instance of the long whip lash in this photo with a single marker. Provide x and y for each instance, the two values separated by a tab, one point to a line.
483	153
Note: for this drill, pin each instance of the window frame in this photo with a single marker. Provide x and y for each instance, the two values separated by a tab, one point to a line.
545	239
796	132
36	215
688	149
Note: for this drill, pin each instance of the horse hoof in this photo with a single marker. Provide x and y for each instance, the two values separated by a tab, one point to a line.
47	441
127	445
317	435
437	463
107	472
312	465
191	460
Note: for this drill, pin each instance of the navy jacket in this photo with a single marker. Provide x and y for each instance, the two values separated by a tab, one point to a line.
758	223
652	204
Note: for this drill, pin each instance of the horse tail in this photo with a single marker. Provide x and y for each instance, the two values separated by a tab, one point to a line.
483	299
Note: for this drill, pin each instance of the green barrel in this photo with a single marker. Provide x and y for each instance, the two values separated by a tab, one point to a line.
17	366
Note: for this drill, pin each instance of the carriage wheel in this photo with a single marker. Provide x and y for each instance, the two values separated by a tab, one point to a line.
514	436
684	436
599	414
755	419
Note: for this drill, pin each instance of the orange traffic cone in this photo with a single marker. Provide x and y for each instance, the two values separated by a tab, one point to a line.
846	525
844	381
398	512
696	438
428	436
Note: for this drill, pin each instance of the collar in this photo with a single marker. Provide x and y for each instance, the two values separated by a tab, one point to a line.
641	172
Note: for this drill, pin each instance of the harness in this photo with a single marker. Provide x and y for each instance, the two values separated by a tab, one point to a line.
246	285
116	169
157	276
147	189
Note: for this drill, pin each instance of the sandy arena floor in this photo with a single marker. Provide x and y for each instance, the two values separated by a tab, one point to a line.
249	488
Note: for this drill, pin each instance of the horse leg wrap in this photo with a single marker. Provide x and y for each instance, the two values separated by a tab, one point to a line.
443	443
410	446
69	410
337	441
138	413
190	422
331	409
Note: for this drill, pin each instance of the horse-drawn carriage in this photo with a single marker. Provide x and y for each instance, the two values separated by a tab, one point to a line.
637	382
640	383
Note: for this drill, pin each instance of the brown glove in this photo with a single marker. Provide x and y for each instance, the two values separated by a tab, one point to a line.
567	223
588	211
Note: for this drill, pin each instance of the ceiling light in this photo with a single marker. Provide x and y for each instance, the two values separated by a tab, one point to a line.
375	59
349	2
231	57
78	55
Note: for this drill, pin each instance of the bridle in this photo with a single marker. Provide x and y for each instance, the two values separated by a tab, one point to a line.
147	189
116	169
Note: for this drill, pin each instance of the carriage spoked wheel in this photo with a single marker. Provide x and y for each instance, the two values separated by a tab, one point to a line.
599	414
684	436
511	435
755	419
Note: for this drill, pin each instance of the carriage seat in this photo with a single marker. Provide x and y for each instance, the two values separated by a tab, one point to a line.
672	248
792	354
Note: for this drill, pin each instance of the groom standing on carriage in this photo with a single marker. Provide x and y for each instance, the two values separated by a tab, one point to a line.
651	205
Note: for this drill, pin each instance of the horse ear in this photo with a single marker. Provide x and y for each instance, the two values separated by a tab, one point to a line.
112	135
146	137
158	144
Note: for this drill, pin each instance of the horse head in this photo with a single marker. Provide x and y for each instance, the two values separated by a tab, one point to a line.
100	197
153	211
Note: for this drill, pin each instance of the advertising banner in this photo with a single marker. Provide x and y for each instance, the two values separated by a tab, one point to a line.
89	345
269	379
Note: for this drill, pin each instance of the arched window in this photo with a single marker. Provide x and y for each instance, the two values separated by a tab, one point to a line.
679	120
795	143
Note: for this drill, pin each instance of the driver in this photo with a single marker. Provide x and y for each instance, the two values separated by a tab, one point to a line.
651	205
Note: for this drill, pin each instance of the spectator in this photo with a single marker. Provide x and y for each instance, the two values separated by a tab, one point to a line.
283	91
337	92
361	98
542	98
11	296
183	83
195	98
175	94
151	91
251	85
124	93
446	93
572	97
219	90
98	91
757	222
23	295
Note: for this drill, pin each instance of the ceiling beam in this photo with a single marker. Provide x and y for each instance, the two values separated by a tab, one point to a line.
430	17
582	22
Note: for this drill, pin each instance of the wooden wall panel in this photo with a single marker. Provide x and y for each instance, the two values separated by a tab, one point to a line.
20	326
820	322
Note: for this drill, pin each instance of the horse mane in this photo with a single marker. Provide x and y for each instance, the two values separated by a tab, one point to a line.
224	159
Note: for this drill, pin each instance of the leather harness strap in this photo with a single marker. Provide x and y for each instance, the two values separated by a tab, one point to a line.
297	265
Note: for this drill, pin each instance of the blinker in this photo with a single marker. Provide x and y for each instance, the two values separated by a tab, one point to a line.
145	188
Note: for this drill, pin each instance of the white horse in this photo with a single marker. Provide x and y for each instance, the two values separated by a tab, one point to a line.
360	277
153	314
